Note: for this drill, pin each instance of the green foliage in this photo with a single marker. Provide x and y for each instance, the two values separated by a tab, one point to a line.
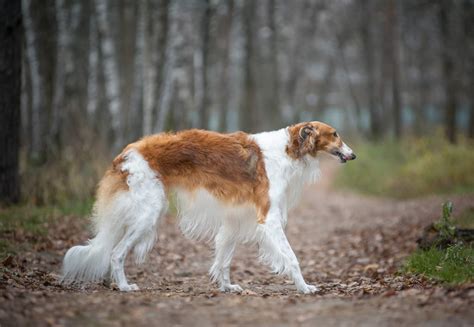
454	265
445	226
410	168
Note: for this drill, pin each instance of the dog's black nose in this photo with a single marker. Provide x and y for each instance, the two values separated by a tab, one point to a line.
353	156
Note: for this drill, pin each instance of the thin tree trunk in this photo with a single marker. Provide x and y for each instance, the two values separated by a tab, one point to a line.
273	110
64	72
93	76
450	89
111	74
326	86
468	12
248	105
224	78
138	77
369	62
168	77
63	42
10	89
149	70
341	41
393	39
37	92
203	110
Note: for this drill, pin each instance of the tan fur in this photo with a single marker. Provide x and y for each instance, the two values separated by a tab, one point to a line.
229	166
311	138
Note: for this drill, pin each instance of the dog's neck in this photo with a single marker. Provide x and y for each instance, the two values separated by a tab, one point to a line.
286	174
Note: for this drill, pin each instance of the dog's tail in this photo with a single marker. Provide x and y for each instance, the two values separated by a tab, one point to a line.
91	262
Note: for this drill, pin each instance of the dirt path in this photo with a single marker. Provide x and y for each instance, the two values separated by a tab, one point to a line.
351	245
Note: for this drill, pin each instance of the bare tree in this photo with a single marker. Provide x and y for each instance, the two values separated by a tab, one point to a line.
37	91
449	80
145	52
111	73
204	102
10	88
248	104
168	76
273	108
225	50
393	38
468	12
368	48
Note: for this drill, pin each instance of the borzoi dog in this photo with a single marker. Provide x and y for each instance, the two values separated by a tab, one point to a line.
230	188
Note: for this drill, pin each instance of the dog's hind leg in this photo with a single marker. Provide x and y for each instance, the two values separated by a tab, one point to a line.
144	203
225	243
140	235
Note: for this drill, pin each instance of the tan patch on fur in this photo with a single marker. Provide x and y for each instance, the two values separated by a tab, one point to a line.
309	138
229	166
114	181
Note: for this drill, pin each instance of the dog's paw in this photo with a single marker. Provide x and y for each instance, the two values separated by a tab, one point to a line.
309	289
233	288
129	288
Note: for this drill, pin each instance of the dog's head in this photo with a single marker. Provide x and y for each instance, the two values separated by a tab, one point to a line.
312	137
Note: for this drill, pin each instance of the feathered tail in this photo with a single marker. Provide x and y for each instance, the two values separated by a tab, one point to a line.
91	262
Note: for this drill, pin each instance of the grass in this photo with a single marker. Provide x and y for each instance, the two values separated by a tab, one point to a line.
454	265
410	168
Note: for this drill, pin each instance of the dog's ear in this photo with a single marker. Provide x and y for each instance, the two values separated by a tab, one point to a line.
308	138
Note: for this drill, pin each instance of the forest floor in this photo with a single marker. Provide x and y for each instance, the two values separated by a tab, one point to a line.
352	246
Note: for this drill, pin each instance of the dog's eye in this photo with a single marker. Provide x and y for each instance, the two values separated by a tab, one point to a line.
335	134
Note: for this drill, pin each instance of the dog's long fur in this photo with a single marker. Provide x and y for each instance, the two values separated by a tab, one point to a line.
230	188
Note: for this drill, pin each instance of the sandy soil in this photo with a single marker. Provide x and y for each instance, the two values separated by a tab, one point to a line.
352	246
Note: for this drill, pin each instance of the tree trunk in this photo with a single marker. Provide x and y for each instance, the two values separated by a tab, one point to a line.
224	78
93	63
149	69
273	110
165	95
37	90
393	39
369	62
468	12
203	110
111	73
248	105
10	90
450	88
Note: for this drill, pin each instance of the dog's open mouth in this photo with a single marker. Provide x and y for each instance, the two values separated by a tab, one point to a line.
342	158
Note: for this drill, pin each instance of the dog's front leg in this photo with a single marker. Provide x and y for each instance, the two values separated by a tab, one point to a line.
276	251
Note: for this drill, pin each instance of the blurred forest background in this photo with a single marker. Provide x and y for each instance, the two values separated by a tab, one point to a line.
98	74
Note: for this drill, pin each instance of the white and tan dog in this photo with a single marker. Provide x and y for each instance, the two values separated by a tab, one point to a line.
230	188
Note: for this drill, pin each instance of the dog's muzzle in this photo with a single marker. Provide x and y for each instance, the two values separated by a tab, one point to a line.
344	153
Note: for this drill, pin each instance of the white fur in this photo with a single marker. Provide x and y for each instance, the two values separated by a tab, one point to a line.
128	221
346	150
287	178
204	217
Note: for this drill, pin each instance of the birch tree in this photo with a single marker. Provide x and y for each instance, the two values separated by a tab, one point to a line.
168	77
37	93
111	74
